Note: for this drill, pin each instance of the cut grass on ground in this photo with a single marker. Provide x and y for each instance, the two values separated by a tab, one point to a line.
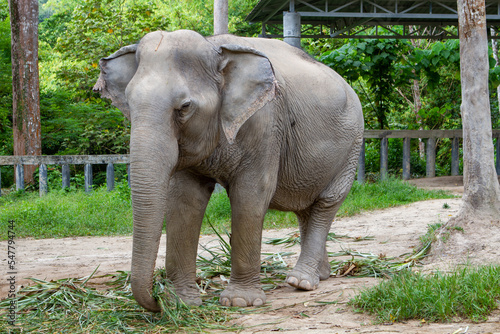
67	214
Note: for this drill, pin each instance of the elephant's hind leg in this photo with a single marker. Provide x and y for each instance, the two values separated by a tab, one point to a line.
315	224
313	264
188	199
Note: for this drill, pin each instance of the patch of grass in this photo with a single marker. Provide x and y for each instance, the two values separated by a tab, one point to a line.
385	194
75	213
75	306
65	214
470	293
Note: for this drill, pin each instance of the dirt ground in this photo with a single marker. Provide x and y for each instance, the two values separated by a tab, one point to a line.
396	231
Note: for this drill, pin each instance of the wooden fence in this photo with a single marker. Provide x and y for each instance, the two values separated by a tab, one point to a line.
65	161
383	135
407	135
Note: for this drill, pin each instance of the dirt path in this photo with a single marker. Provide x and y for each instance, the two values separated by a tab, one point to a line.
396	231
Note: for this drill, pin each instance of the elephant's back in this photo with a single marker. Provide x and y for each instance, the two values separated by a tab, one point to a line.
320	122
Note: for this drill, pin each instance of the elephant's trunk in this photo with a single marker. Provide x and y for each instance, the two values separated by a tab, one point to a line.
154	156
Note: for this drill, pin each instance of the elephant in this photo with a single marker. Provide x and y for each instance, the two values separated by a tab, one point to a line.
273	126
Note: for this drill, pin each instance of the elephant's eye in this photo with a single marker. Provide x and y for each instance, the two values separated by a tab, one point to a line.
184	108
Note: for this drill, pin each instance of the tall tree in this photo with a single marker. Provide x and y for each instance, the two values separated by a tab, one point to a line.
221	17
25	84
481	198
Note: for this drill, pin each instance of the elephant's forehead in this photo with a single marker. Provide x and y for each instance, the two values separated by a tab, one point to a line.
183	42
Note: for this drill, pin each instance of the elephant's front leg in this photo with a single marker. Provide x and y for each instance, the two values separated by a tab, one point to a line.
249	203
188	199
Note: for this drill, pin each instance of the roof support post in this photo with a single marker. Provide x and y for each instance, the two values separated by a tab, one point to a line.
291	28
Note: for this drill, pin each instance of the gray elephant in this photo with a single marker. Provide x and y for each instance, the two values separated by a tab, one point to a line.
274	127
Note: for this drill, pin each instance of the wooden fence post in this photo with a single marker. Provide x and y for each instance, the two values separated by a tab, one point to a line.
455	157
384	158
498	156
65	176
361	163
110	177
88	178
406	158
42	180
19	172
128	175
430	170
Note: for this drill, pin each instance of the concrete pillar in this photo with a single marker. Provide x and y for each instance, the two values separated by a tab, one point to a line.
291	28
431	158
384	159
406	159
110	177
65	176
43	180
361	164
88	177
19	174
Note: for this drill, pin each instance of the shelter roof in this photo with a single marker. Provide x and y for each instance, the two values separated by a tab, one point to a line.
350	18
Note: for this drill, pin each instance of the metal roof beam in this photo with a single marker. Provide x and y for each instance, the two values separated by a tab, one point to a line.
280	8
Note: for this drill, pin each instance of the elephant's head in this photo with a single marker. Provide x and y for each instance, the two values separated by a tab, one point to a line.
180	92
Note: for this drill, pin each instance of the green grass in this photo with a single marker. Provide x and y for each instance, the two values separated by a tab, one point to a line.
75	213
77	305
385	194
470	293
66	214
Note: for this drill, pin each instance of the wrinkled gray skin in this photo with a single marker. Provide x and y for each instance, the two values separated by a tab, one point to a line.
274	127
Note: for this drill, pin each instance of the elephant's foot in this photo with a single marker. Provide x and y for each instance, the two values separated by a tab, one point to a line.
308	278
242	296
189	294
302	280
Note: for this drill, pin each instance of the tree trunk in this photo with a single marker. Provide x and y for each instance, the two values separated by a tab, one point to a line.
417	102
220	17
25	85
481	198
418	105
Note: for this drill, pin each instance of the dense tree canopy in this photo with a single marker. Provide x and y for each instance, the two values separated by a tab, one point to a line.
74	35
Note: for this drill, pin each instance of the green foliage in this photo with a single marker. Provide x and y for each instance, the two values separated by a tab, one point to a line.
97	29
470	293
379	63
83	127
6	147
383	73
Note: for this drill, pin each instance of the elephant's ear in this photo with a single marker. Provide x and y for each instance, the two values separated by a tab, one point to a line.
249	84
116	72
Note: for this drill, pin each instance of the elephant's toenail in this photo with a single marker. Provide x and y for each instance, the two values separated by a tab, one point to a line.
239	302
293	281
305	285
258	302
225	302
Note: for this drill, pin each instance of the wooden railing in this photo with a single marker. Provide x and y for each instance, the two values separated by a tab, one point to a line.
383	135
407	135
65	160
